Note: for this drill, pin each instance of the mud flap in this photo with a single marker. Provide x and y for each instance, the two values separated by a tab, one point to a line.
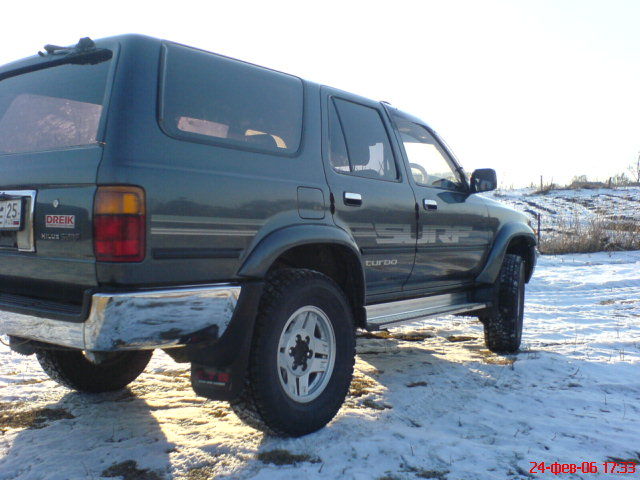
218	368
218	383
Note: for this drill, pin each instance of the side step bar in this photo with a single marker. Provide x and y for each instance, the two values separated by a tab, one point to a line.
387	314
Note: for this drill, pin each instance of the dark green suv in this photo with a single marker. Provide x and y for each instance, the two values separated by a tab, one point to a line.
156	196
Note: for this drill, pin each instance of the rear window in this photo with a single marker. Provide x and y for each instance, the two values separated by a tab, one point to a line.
213	99
53	108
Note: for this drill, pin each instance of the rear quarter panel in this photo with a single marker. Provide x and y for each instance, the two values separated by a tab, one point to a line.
207	206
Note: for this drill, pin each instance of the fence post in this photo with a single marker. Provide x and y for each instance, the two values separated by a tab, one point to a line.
539	215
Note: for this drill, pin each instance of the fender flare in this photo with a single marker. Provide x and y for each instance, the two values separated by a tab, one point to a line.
272	246
507	233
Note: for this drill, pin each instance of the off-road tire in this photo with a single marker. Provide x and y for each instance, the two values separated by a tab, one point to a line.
263	403
71	369
503	325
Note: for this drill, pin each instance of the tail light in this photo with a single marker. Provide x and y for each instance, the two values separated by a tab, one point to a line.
119	224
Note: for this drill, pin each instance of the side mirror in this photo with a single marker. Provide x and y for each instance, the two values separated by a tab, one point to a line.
483	180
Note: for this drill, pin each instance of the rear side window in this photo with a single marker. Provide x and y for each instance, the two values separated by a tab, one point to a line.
213	99
359	144
53	108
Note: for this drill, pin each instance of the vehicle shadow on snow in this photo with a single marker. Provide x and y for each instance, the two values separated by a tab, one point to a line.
415	385
84	436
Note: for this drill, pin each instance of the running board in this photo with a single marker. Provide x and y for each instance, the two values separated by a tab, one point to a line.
384	315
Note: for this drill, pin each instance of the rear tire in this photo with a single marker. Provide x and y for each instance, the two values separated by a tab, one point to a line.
71	369
302	356
503	324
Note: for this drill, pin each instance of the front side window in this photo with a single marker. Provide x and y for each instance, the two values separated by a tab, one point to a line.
359	144
52	108
429	164
214	99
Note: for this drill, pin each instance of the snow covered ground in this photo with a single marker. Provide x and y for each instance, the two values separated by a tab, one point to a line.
619	205
428	401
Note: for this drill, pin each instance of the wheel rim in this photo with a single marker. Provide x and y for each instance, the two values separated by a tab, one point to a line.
306	354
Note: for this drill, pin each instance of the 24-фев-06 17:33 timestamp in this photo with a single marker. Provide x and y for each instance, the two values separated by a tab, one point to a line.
558	468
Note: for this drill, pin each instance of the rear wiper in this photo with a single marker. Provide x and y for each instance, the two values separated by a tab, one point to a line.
84	45
84	52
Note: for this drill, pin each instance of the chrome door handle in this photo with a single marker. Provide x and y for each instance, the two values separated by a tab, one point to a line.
353	199
429	204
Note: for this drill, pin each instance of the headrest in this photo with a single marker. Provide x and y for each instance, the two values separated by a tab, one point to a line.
263	140
359	154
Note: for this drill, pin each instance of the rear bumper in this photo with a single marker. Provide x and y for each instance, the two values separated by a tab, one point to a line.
138	320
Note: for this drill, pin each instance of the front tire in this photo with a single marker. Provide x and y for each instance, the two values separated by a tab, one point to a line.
72	369
503	325
302	357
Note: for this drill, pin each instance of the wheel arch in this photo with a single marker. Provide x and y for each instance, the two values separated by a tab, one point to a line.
516	238
326	249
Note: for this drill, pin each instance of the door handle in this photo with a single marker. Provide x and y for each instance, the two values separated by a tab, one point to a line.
353	199
429	204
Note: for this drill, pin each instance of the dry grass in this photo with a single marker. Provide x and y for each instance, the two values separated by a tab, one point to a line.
361	386
201	473
285	457
635	460
414	336
420	383
496	360
423	473
546	188
460	338
129	471
369	403
11	417
599	234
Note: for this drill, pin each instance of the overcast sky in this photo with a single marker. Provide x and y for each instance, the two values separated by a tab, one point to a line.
530	88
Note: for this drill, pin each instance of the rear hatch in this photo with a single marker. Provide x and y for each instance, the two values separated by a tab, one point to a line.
52	115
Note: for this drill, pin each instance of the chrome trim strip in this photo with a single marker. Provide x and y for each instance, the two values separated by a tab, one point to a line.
134	321
205	220
202	231
385	314
25	237
415	316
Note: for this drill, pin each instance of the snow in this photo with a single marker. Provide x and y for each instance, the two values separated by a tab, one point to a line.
564	208
571	395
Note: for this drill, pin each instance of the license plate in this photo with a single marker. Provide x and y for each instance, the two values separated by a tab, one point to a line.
11	214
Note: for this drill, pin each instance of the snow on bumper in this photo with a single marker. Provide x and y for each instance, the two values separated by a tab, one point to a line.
134	321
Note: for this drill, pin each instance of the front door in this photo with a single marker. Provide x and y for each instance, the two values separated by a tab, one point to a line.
372	199
453	226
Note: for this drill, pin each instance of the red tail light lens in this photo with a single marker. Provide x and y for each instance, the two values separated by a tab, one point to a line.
119	224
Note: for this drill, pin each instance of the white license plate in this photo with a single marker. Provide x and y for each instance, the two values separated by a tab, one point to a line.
11	214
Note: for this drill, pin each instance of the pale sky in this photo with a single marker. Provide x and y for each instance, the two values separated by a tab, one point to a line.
530	88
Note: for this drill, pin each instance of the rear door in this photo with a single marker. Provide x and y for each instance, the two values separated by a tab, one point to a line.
51	116
453	226
371	198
